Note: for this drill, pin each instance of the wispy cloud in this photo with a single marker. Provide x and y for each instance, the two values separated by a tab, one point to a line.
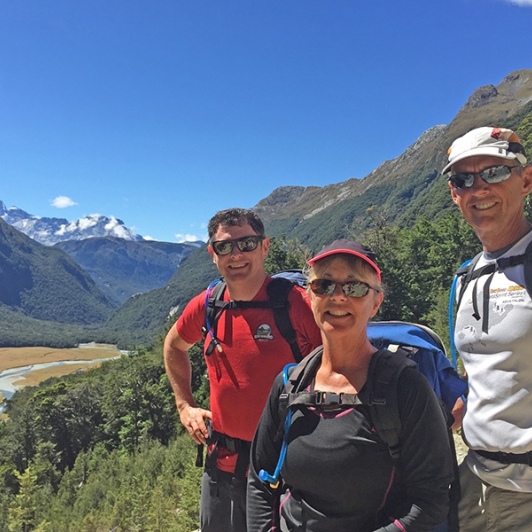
524	3
188	238
62	202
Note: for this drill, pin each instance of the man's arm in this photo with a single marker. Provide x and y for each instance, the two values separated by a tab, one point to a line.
179	371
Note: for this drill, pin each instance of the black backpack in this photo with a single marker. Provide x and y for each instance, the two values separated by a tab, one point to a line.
278	290
415	346
385	369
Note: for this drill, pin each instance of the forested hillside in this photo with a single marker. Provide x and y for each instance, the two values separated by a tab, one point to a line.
45	283
103	450
99	450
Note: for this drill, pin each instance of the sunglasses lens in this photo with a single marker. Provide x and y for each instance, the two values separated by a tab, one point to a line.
496	174
350	289
322	286
463	180
356	289
248	243
223	247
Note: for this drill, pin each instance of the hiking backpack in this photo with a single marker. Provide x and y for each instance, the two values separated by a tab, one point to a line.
278	289
467	273
401	345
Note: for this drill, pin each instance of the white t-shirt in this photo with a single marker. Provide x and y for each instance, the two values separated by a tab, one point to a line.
499	368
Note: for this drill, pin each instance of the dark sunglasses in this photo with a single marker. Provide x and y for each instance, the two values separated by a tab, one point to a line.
327	287
244	244
495	174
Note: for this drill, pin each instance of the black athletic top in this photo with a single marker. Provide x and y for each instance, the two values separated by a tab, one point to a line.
339	476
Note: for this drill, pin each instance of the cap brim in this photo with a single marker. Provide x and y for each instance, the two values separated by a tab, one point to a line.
320	256
483	150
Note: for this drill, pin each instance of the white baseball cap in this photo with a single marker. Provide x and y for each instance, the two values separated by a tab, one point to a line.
493	141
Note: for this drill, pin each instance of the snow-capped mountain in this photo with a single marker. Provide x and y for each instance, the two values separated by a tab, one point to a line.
50	231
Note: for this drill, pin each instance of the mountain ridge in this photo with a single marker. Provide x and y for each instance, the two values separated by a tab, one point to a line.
50	231
45	283
397	193
121	262
122	268
408	176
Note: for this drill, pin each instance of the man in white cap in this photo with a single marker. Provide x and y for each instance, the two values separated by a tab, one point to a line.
489	179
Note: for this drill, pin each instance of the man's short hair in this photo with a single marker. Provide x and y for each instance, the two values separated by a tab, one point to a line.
232	217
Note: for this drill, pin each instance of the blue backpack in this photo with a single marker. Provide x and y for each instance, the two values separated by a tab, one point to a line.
411	345
426	349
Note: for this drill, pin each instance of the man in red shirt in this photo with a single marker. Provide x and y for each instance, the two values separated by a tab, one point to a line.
250	352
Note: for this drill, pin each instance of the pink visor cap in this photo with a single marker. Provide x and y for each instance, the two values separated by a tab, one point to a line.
347	247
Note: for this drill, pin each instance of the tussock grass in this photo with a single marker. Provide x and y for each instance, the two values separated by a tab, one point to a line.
15	357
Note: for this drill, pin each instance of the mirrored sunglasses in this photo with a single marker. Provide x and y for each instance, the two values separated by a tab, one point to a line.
327	287
244	244
495	174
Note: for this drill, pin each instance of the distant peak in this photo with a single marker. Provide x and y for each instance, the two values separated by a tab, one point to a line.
50	231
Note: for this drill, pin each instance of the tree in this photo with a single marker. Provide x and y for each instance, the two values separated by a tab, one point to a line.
68	414
138	402
24	509
418	265
285	254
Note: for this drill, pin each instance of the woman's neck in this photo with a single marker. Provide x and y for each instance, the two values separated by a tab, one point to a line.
344	365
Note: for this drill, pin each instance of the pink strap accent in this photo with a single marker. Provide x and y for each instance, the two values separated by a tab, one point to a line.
398	524
388	488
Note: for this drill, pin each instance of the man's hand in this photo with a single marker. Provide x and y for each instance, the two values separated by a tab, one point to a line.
193	419
458	413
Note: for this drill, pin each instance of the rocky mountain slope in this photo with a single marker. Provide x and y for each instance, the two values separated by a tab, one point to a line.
401	189
397	192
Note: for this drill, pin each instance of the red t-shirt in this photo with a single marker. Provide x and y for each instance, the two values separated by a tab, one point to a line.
253	354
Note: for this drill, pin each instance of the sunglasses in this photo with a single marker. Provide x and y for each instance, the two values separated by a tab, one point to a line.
327	287
244	244
495	174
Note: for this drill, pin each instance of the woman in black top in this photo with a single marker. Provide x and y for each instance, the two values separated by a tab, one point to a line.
338	474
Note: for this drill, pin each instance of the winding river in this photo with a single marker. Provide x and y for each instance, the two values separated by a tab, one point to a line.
12	379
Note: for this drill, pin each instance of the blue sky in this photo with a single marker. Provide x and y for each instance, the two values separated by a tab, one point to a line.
161	112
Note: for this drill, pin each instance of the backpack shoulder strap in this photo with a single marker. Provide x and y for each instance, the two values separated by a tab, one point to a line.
465	273
296	377
490	269
214	306
301	374
385	368
278	290
468	273
528	269
451	308
215	300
